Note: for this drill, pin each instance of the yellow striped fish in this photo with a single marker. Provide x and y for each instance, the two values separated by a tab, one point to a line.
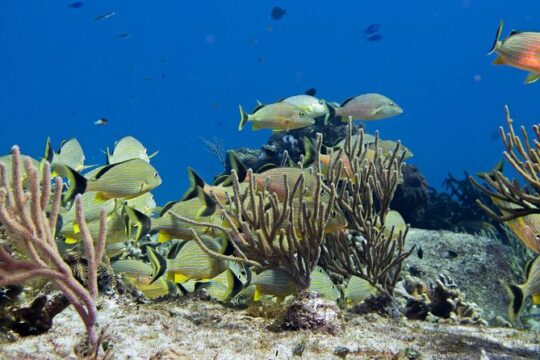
520	50
128	148
358	290
170	227
139	274
322	284
275	282
189	261
531	287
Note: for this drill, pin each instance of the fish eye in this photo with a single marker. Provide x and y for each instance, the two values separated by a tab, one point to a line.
155	174
333	213
321	102
302	114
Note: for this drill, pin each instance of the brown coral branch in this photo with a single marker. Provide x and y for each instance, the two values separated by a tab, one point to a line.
24	216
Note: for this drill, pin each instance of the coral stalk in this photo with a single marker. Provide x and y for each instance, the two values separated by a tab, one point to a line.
31	231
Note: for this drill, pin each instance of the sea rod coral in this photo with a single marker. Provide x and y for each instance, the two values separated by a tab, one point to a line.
30	219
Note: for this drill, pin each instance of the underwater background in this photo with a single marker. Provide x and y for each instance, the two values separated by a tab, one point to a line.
171	72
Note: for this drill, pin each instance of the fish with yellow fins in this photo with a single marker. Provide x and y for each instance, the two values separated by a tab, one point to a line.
280	116
187	260
520	50
127	179
519	293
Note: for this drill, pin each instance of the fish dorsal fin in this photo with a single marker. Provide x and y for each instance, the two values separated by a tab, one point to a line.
266	167
258	107
497	37
104	170
166	207
195	181
209	205
311	92
346	101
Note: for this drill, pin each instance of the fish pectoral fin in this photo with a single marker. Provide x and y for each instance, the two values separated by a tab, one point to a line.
163	237
70	240
532	77
257	296
499	61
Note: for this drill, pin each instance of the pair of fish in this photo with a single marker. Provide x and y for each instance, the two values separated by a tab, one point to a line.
520	50
127	175
300	111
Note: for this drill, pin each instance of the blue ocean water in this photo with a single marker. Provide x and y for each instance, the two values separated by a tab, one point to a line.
169	72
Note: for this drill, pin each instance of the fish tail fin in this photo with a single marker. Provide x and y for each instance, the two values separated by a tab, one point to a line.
330	114
236	165
209	205
244	117
497	37
49	151
158	263
195	182
77	182
135	218
309	151
516	303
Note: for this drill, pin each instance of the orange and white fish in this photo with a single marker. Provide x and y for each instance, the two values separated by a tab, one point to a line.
520	50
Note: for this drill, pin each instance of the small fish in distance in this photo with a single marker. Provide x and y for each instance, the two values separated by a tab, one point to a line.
76	5
277	13
123	36
101	122
373	38
520	50
371	29
104	16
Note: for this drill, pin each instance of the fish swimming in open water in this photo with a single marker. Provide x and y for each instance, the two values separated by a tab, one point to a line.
366	107
277	116
520	50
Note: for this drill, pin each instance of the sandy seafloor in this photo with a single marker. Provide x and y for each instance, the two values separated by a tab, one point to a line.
195	329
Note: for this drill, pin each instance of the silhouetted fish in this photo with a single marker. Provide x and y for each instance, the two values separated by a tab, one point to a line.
277	13
371	29
76	4
104	16
375	37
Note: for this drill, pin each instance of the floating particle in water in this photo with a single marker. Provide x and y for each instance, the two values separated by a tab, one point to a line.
269	28
261	60
210	39
76	5
373	38
477	77
371	29
105	16
277	13
101	122
123	36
